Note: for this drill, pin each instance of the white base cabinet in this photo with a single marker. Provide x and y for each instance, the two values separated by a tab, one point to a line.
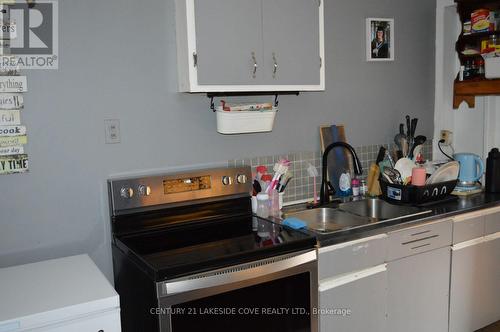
419	278
475	284
354	302
418	292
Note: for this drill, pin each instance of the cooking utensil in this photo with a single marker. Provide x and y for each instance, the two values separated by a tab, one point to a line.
413	127
392	175
402	128
416	151
381	155
408	126
404	146
417	141
280	168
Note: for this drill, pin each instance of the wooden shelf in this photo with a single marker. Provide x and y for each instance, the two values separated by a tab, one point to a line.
468	90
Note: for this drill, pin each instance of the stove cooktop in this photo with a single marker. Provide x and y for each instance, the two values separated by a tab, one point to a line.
197	247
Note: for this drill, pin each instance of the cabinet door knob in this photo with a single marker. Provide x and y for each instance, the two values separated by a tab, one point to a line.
255	65
275	69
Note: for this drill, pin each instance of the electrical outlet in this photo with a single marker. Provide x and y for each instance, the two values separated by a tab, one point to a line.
447	136
112	131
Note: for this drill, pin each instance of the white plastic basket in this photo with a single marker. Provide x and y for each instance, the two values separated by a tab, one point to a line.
242	122
492	67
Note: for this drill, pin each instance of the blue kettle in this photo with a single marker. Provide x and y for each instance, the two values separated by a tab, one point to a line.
471	167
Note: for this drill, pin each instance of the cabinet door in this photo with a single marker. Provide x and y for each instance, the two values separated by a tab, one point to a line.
354	302
418	288
467	286
292	42
491	300
228	41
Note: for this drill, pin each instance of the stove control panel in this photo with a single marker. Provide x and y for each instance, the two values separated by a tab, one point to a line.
181	187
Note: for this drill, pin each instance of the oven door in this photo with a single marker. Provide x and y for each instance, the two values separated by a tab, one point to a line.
276	294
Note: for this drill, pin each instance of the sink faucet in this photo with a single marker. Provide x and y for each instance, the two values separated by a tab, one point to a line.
326	186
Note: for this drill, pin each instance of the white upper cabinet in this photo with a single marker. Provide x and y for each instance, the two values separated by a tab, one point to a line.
250	45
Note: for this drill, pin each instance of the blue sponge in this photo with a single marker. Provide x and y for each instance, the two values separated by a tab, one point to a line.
294	223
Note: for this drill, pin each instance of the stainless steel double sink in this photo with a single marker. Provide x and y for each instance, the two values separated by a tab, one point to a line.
355	214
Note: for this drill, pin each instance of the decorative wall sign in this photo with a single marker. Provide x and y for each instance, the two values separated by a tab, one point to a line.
14	164
13	141
10	117
11	150
11	101
12	131
13	84
9	64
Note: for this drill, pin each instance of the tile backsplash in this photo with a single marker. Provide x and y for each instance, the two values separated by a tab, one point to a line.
301	186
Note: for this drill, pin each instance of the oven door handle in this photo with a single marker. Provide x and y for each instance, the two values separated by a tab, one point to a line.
234	274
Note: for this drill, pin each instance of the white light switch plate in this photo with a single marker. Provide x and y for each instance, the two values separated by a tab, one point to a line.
112	131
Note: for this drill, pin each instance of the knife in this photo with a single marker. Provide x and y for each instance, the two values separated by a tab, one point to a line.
408	126
413	127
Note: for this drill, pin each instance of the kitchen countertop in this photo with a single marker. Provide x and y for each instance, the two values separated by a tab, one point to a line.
438	211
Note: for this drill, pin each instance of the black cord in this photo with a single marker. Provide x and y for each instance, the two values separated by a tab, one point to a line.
440	149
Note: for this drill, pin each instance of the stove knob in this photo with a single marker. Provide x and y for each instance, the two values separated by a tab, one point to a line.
144	190
126	192
226	180
241	178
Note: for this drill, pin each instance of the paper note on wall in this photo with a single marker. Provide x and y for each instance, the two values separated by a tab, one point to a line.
11	150
13	141
14	164
11	101
12	131
10	117
13	84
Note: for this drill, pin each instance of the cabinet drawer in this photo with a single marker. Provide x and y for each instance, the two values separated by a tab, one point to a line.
465	229
352	256
492	223
419	239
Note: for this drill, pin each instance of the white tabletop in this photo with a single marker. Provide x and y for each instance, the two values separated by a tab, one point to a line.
54	290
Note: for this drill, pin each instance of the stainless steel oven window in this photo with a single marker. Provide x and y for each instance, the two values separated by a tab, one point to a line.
278	270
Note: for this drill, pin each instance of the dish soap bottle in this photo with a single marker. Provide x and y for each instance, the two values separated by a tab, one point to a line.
345	184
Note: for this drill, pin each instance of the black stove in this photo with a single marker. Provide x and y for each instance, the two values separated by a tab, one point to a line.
191	230
198	246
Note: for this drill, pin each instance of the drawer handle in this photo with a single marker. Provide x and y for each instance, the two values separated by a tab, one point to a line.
423	245
418	240
423	232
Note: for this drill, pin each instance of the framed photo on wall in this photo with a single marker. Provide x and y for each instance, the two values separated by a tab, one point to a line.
379	39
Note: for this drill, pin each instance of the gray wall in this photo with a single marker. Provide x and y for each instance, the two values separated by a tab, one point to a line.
118	60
